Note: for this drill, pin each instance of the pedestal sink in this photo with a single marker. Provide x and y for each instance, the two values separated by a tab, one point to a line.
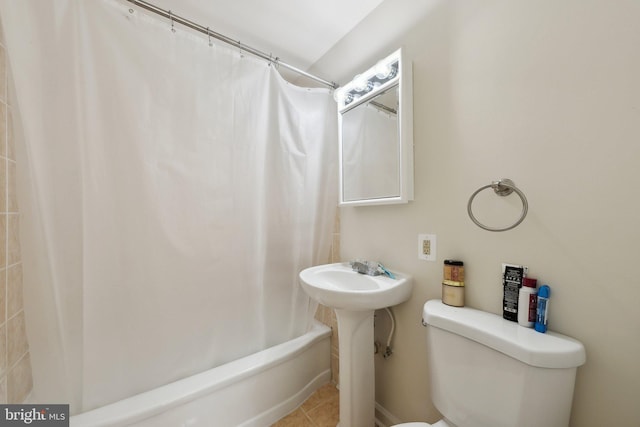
355	297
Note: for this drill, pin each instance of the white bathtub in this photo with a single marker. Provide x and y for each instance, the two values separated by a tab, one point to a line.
256	390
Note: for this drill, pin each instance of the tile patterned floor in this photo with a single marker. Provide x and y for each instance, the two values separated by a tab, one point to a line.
321	409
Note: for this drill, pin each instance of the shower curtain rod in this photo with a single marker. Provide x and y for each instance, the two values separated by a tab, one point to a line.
205	30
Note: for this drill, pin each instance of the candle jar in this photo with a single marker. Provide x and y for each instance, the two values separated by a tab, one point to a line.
453	283
453	293
453	270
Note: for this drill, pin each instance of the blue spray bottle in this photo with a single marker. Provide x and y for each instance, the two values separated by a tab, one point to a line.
543	308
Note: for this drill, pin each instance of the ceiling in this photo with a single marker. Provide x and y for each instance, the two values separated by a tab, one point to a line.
299	32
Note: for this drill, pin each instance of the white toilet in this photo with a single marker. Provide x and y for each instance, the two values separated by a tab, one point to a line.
485	371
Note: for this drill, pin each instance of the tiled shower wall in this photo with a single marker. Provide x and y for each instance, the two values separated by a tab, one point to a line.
327	315
15	364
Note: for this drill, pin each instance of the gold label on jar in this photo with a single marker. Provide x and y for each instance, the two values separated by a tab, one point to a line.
452	283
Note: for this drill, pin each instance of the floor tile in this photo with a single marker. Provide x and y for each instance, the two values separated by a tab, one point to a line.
295	419
321	409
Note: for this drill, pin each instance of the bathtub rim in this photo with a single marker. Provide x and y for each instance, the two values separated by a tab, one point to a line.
164	398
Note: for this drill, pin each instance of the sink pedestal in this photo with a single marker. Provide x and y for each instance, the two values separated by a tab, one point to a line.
355	297
357	372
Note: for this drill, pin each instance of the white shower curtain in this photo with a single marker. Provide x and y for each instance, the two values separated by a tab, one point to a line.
170	193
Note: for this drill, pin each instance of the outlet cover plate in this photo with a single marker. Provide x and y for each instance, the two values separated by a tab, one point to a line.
427	247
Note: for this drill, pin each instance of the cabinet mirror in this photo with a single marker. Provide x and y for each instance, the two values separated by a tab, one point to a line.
376	137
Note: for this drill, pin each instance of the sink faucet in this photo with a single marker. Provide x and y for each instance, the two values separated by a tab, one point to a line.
365	267
370	268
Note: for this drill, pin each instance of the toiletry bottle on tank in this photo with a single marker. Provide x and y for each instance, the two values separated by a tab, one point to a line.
527	303
542	313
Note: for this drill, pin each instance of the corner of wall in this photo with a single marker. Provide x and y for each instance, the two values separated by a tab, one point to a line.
327	315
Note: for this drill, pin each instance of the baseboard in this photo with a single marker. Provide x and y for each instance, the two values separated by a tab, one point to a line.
384	418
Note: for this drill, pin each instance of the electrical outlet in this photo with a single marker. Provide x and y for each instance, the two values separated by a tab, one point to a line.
427	247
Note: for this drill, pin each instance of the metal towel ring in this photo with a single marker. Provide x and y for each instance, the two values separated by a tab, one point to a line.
503	187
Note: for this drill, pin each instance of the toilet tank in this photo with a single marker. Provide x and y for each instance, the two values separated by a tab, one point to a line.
486	371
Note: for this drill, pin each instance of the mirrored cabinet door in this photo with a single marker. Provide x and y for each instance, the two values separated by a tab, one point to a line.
376	135
370	154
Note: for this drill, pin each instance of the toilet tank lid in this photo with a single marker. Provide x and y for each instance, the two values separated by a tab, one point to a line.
549	350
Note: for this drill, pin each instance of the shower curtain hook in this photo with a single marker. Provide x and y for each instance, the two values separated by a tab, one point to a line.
209	35
173	30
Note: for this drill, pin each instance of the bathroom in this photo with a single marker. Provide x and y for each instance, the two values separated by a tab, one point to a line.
545	93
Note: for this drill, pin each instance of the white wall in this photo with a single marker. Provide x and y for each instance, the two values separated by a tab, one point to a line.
546	93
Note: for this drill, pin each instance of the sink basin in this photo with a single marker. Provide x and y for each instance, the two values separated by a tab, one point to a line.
338	286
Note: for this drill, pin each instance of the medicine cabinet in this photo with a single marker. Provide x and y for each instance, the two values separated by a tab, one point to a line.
375	121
